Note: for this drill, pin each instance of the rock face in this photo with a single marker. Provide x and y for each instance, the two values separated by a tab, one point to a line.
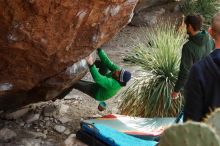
43	43
144	18
143	4
147	13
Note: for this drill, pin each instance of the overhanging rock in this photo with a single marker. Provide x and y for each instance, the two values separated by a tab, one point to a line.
40	40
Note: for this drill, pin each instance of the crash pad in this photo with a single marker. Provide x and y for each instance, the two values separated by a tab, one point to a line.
144	128
111	137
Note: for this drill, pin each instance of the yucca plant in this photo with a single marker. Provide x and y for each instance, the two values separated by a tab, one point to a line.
159	56
207	8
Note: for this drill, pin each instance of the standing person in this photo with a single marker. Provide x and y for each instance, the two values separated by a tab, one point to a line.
198	46
202	90
107	81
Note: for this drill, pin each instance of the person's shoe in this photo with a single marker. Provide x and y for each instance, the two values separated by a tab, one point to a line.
102	106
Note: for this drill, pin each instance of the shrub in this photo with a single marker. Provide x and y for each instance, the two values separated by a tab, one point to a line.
159	57
207	8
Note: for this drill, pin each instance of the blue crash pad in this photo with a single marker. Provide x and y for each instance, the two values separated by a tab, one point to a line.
113	137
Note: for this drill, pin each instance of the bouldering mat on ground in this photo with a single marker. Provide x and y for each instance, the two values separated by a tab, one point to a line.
139	127
98	134
117	130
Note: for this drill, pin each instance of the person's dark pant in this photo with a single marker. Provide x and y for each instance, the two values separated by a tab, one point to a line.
103	70
88	87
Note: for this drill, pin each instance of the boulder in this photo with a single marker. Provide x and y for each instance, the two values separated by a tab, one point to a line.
143	4
43	43
145	18
148	12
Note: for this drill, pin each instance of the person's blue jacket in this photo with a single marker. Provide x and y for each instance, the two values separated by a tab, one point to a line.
202	90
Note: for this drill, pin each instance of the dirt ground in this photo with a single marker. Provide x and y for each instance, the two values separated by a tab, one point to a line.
56	123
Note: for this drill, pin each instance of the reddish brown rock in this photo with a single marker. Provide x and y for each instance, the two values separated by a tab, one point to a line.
40	40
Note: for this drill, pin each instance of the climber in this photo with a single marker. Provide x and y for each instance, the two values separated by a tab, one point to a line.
109	79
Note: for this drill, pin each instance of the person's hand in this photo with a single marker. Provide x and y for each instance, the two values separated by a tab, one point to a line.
90	60
175	95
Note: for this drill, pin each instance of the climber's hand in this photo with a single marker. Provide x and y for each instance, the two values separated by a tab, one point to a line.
90	60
